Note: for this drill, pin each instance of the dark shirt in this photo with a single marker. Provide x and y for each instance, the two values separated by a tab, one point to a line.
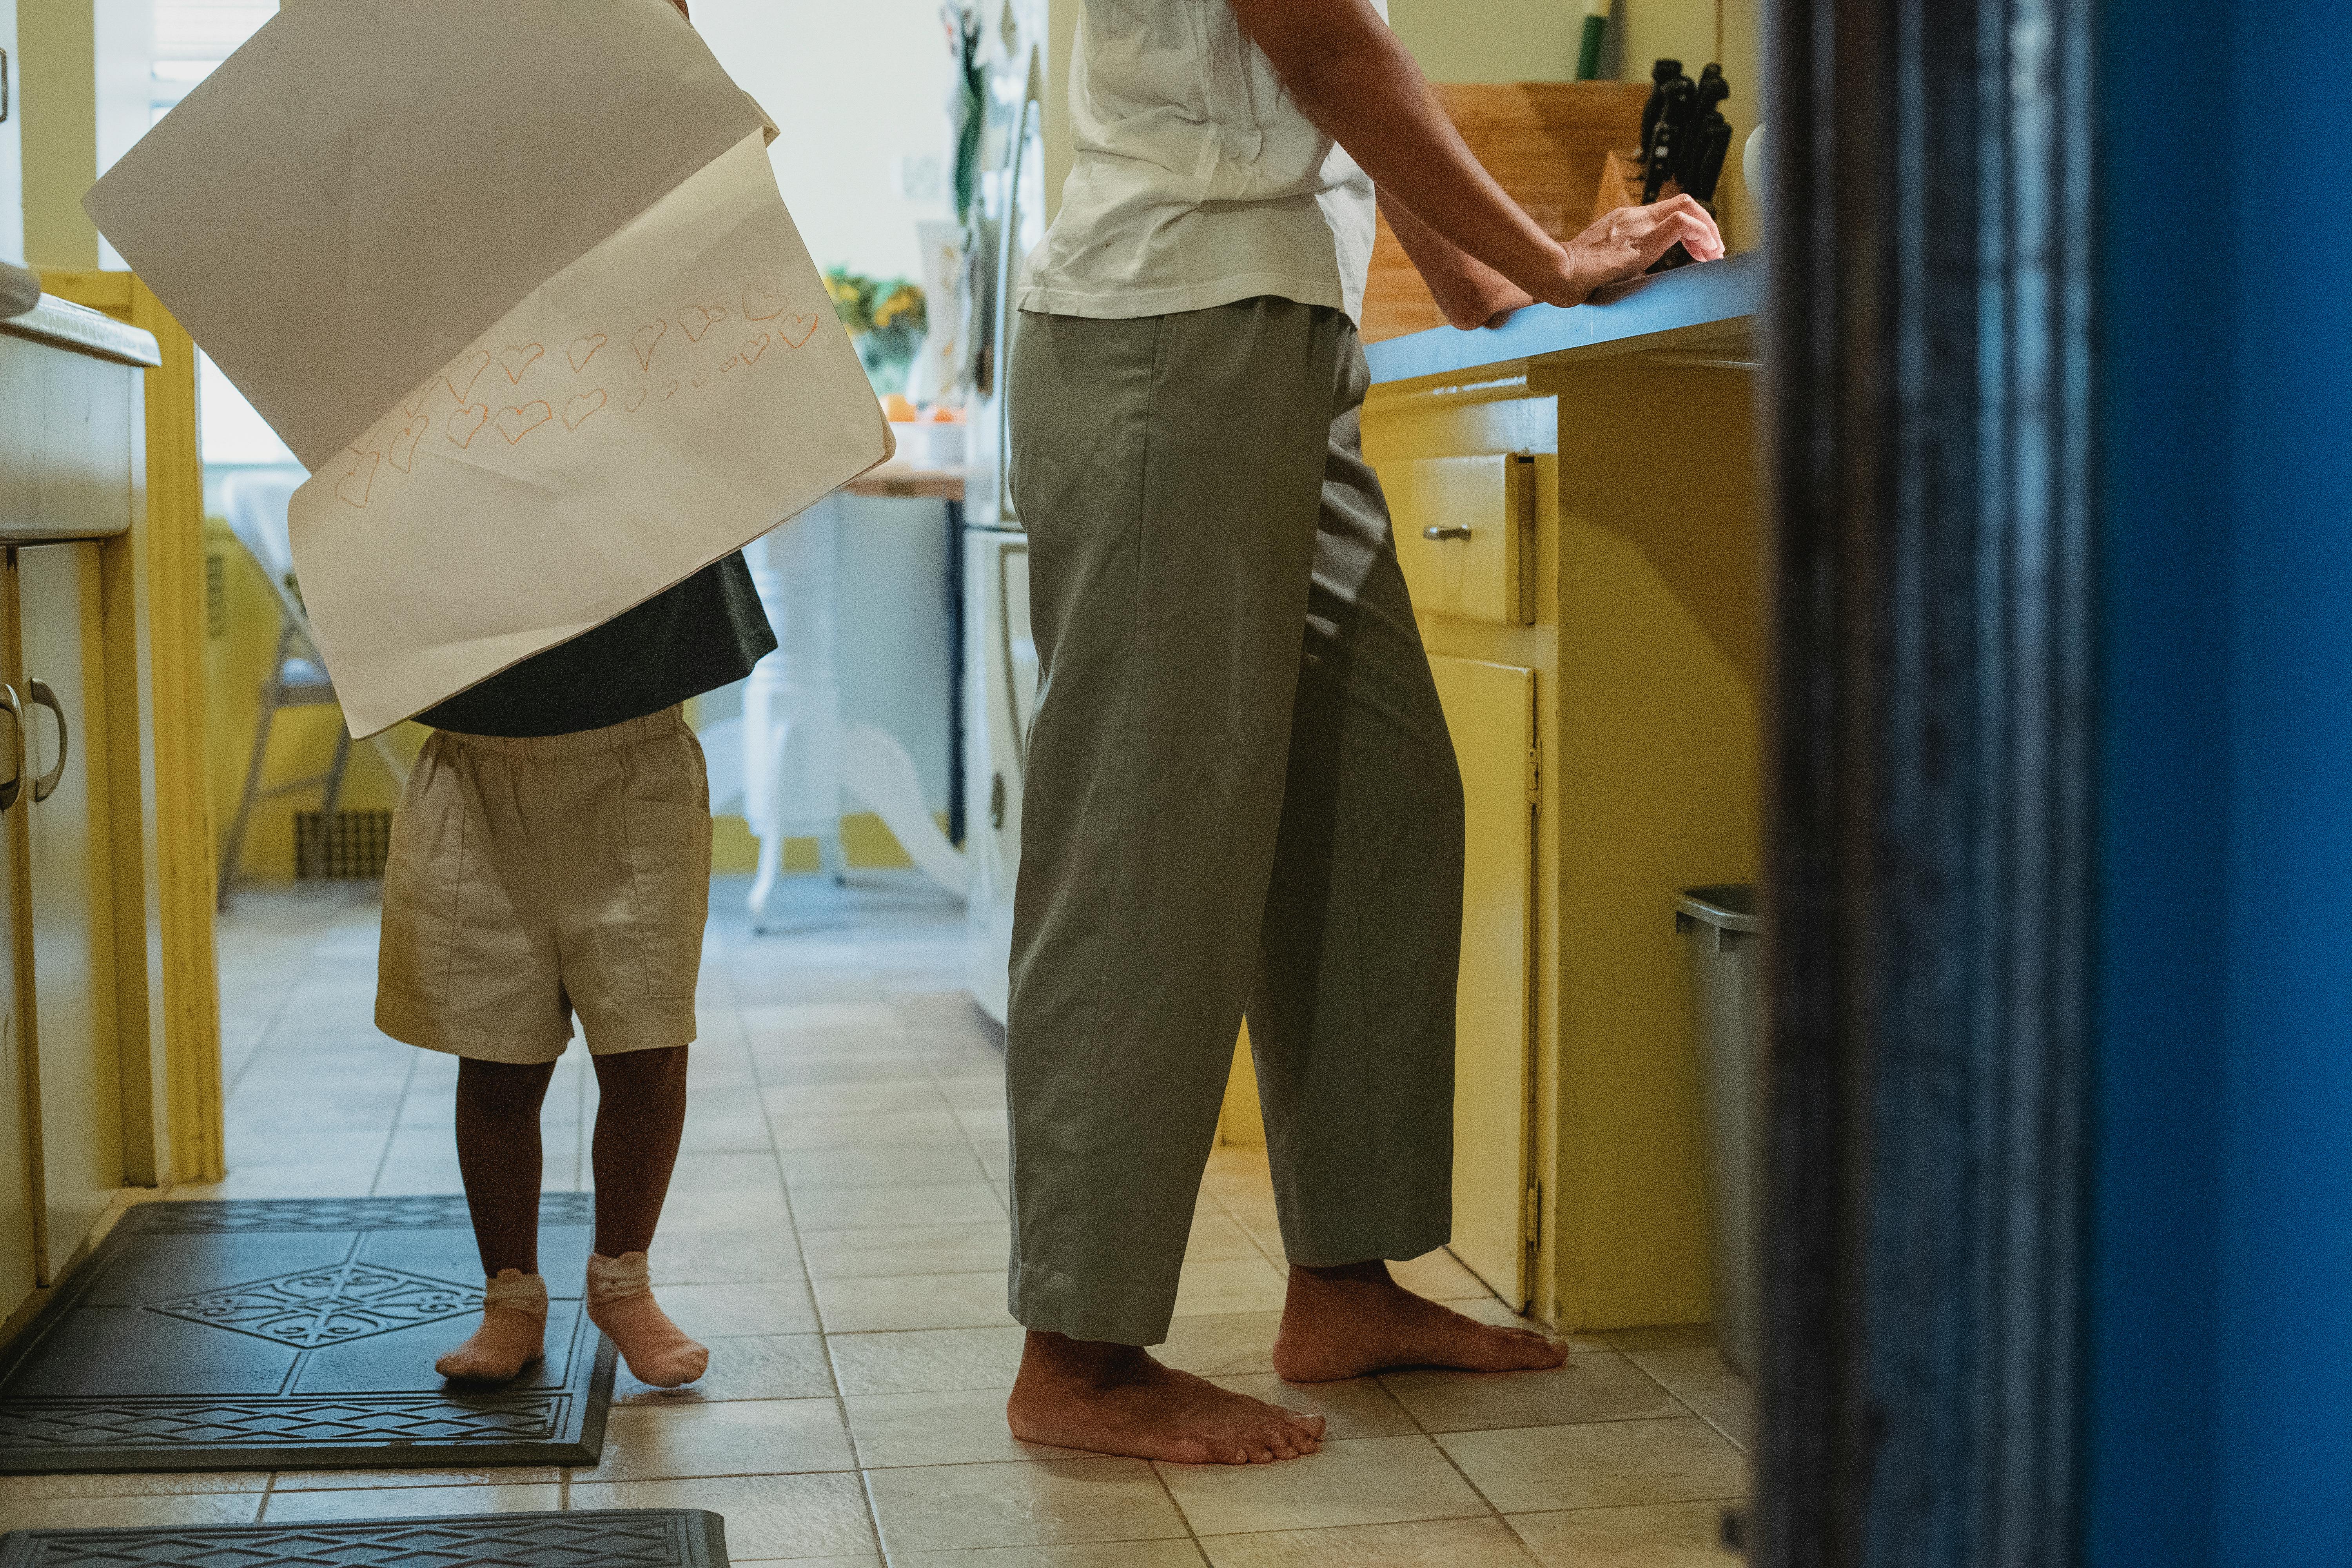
700	635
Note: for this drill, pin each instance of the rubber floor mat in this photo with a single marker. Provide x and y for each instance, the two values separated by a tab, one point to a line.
620	1538
265	1334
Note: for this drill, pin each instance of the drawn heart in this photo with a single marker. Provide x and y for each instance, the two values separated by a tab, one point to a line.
582	350
754	349
669	390
795	330
581	407
515	360
644	339
697	320
730	362
468	371
405	439
760	305
514	424
466	422
633	402
700	376
352	488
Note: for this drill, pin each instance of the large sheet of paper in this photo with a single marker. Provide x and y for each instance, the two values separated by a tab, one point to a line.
371	194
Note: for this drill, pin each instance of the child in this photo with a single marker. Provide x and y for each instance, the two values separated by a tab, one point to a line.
551	855
1240	786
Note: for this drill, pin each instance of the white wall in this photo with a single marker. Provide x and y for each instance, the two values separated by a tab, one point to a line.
854	89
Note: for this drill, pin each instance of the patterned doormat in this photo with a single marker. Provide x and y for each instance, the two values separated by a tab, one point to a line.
621	1538
297	1334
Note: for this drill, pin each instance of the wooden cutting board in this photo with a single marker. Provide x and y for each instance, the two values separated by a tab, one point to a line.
1545	142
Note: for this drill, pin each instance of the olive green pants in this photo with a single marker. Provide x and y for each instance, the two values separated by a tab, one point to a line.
1240	792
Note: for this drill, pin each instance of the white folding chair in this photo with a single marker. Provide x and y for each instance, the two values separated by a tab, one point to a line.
256	503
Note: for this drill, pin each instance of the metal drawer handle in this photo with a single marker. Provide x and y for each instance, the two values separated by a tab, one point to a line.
16	710
1435	533
46	785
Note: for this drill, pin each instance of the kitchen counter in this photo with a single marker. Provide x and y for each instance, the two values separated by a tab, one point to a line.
1711	308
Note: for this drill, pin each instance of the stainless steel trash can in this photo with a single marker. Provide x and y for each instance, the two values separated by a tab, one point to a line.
1727	976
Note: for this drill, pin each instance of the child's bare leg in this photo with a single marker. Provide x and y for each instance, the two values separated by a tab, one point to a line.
640	1116
498	1155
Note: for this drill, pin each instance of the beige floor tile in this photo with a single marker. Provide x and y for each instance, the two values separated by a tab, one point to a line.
738	1258
737	1132
1440	1276
893	1099
1359	1407
1597	1385
731	1311
731	1175
1665	1337
889	1302
1698	1377
401	1503
1101	1555
1232	1344
831	1016
906	1128
1048	1502
1429	1543
1667	1535
970	1248
777	1071
861	1560
30	1488
725	1214
284	1182
356	1480
1221	1285
962	1427
879	1165
761	1367
991	1122
863	1208
99	1512
1600	1464
929	1361
739	1438
1215	1234
767	1516
1363	1481
974	1091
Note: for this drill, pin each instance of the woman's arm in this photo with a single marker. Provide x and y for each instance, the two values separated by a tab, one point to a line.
1471	293
1355	81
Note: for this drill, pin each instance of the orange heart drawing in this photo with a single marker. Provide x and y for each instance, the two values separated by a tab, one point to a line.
469	370
514	424
514	360
669	390
700	376
728	364
405	439
466	422
582	350
644	339
754	349
761	305
633	402
697	320
581	407
352	488
795	330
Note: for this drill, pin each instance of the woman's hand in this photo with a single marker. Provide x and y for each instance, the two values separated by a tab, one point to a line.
1624	243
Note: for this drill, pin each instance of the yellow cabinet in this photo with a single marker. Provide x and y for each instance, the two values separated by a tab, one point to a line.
17	1229
1464	529
1490	710
66	891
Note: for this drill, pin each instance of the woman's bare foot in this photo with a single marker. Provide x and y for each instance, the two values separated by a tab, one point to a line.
1115	1399
1345	1322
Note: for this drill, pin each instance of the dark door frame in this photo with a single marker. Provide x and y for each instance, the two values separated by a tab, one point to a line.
1929	869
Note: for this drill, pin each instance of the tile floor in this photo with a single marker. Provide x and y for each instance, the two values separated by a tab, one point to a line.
837	1231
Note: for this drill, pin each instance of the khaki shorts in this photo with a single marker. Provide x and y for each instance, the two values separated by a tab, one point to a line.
532	879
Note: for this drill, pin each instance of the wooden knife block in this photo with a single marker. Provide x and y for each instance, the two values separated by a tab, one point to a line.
1545	142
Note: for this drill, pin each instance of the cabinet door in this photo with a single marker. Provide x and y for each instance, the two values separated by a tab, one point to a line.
1490	709
74	1049
17	1239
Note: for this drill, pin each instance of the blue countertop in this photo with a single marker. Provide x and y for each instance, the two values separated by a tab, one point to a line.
1622	319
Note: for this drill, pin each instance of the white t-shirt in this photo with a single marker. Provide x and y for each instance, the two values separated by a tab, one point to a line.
1197	182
